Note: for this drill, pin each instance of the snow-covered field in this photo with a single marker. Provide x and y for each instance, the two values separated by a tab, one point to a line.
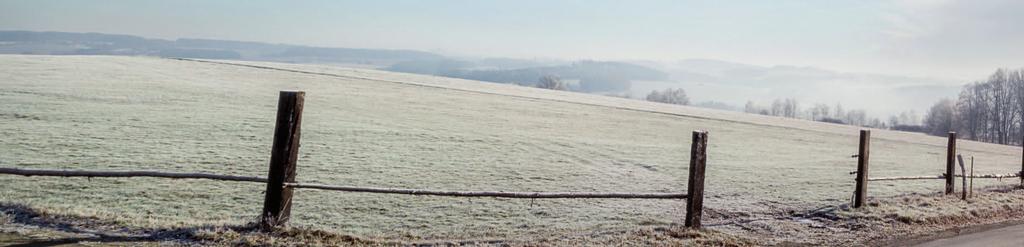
383	129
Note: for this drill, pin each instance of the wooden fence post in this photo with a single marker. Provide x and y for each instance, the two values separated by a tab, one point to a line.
1021	174
950	162
861	192
285	152
695	186
963	171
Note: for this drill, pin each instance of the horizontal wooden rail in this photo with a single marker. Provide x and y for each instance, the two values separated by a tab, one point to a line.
1009	175
117	174
906	178
173	175
502	194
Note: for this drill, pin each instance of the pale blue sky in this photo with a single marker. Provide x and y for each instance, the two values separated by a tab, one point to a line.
942	39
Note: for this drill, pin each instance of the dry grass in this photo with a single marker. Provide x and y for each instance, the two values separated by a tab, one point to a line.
885	221
45	226
374	128
225	236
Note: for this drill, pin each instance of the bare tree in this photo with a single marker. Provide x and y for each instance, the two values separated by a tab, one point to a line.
971	112
753	108
819	112
551	82
839	113
670	96
1016	79
939	119
750	107
877	123
1004	113
856	117
909	118
894	121
790	108
778	107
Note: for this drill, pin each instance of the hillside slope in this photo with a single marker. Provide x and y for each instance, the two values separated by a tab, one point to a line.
384	129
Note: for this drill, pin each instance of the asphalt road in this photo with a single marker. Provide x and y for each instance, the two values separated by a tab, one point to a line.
1005	236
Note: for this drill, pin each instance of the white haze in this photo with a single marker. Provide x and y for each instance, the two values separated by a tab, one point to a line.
735	84
881	56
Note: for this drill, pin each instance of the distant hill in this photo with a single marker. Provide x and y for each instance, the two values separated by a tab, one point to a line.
61	43
587	76
728	84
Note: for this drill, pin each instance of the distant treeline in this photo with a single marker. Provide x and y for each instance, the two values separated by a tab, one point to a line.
588	76
790	108
61	43
991	110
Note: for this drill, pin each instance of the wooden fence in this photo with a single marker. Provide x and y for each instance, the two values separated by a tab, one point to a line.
860	191
281	177
281	182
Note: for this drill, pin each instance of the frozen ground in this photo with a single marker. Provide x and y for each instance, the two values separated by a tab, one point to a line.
384	129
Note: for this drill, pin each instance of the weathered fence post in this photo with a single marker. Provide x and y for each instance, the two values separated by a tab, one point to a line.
861	192
695	186
963	171
971	189
285	152
950	162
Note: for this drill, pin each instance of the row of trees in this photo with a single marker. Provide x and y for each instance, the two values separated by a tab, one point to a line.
991	110
790	108
669	95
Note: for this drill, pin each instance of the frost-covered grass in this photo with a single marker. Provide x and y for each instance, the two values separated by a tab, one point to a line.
374	128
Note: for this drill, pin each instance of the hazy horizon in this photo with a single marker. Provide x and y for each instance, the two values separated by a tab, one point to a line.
935	39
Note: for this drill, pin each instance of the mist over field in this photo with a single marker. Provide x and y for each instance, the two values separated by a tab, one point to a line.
731	84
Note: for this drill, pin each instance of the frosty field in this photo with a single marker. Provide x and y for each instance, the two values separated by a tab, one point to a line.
383	129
